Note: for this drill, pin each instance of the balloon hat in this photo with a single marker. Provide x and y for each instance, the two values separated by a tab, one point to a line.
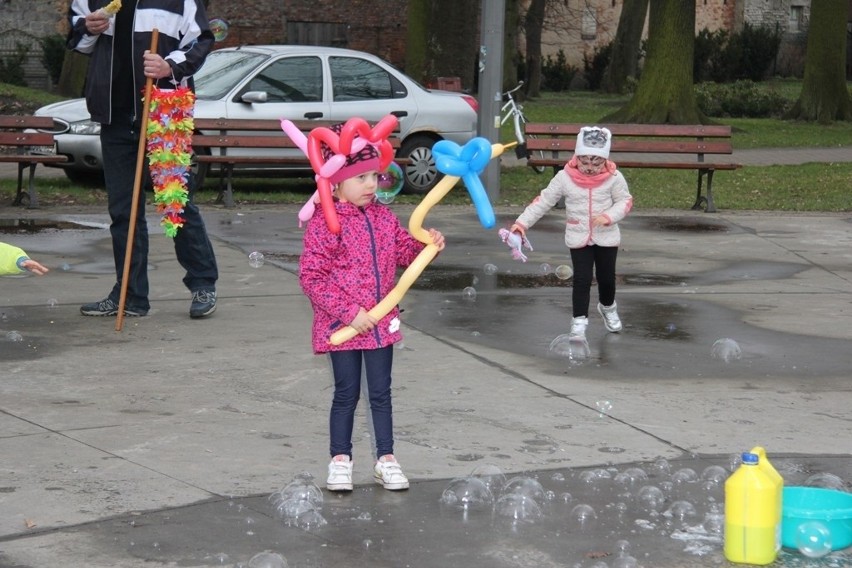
333	151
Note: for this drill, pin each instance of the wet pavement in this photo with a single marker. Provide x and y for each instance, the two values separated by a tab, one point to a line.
160	445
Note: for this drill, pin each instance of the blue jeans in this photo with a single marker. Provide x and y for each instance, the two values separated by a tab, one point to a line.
346	366
120	146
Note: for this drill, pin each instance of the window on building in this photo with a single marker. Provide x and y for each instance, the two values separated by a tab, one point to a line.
291	79
797	18
317	33
355	79
589	28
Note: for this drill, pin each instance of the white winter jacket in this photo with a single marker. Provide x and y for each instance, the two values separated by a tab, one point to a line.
611	198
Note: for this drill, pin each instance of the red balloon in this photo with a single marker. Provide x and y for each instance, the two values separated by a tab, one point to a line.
327	204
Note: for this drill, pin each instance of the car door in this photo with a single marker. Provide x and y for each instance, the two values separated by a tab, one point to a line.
288	87
365	89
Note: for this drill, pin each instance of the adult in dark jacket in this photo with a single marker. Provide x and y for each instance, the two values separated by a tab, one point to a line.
119	67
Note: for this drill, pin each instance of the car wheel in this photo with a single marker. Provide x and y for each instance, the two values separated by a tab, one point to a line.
89	179
421	175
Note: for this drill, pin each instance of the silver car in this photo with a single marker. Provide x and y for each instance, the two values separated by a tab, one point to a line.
298	83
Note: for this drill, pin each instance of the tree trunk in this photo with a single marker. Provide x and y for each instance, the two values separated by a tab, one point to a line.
824	97
510	44
453	47
73	75
416	48
624	62
665	94
533	24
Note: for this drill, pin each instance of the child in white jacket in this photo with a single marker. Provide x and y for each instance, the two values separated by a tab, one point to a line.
596	199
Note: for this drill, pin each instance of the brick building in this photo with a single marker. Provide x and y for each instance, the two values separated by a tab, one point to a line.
380	26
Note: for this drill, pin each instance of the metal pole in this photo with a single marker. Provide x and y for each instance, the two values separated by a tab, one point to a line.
491	85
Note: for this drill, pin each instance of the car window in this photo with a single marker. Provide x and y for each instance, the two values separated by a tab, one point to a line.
290	79
355	79
222	71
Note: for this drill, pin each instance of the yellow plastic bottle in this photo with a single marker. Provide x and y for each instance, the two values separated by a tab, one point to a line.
751	514
773	474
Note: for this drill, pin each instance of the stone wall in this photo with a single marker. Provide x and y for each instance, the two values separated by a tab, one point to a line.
23	23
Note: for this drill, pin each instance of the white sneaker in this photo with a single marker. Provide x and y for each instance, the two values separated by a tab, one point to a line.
578	327
610	317
389	474
339	474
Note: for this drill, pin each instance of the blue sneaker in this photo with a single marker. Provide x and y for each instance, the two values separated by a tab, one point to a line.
108	307
203	303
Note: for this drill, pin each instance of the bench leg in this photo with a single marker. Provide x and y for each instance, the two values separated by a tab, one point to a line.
32	197
226	186
701	201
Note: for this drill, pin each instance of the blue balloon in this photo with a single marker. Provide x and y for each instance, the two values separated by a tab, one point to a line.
467	162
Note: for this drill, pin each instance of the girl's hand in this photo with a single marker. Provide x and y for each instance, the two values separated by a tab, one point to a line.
34	267
97	22
515	228
437	239
600	221
364	322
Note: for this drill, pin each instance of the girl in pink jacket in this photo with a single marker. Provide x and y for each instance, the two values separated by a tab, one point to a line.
596	199
344	275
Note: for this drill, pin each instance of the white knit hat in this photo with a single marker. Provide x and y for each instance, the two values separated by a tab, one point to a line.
593	141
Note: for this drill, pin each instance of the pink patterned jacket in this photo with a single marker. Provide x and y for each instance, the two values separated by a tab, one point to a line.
357	268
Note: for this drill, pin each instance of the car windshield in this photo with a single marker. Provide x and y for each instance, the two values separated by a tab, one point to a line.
222	71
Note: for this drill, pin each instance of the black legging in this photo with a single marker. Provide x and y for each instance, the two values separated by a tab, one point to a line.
602	259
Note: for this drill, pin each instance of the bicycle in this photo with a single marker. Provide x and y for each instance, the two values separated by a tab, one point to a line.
512	109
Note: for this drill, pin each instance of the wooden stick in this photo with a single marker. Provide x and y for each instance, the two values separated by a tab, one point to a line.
137	187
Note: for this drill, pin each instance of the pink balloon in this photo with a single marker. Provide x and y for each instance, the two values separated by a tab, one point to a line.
297	136
333	164
308	209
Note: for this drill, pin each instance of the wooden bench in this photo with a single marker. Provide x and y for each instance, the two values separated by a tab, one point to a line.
666	146
18	136
267	145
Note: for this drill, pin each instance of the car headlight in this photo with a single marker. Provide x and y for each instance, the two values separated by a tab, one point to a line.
85	127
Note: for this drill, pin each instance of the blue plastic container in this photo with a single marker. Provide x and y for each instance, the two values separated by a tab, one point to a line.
830	507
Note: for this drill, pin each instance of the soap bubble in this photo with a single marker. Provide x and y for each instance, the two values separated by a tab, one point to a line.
714	520
681	510
685	475
489	269
469	494
390	183
299	503
518	507
14	336
256	259
631	477
715	473
267	559
603	407
575	349
525	486
563	272
492	476
469	293
651	498
661	467
625	561
826	481
65	267
52	303
727	350
584	515
813	539
545	268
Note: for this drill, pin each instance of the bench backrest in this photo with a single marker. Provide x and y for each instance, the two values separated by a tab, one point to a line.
636	138
12	131
252	133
